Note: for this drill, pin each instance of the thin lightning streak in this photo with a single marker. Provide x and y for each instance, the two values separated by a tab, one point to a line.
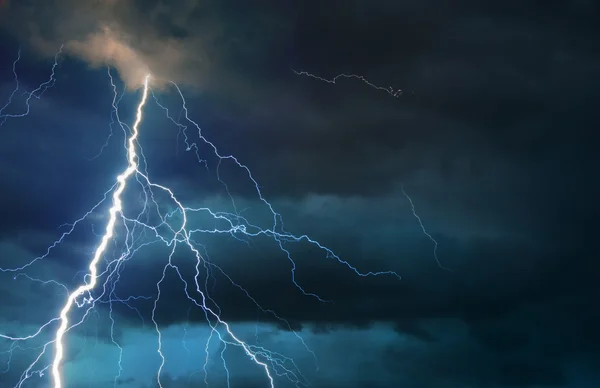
37	92
14	70
110	229
425	232
114	115
389	90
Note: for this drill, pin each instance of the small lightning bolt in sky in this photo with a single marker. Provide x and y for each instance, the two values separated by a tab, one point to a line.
425	232
389	90
172	228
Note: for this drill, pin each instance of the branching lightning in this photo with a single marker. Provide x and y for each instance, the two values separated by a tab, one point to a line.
173	229
35	93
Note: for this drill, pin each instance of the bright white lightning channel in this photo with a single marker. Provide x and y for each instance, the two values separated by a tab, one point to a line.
117	207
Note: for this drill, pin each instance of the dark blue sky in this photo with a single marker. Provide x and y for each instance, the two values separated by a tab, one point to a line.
494	139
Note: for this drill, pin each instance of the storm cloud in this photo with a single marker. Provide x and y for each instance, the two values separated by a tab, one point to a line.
493	139
182	42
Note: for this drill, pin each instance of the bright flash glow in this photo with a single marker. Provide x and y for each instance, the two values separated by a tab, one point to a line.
117	207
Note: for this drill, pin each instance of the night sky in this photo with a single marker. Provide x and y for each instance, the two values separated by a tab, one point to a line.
493	138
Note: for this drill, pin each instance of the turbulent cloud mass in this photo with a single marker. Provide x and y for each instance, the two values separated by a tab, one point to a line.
493	138
133	36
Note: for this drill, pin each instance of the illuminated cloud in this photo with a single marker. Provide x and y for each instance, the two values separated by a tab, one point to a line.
123	34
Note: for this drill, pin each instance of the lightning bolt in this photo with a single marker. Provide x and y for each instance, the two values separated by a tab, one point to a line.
150	226
117	208
35	93
389	90
425	232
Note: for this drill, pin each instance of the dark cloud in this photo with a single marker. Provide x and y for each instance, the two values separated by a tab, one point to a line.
182	42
